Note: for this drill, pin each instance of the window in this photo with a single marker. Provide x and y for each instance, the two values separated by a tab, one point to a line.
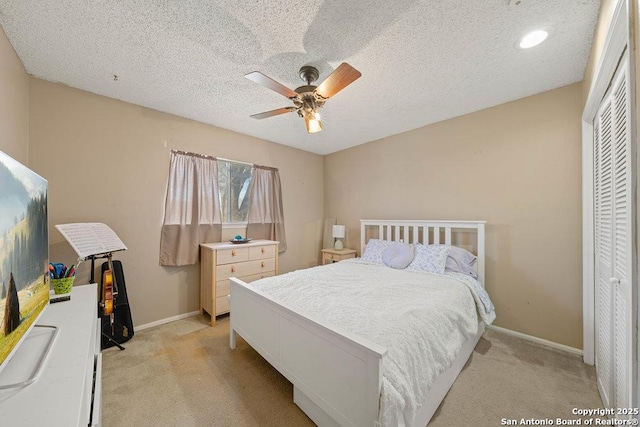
234	179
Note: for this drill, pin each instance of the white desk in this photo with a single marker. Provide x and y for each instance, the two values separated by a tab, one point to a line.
65	392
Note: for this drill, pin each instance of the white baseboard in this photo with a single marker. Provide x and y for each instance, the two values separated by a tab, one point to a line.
542	341
167	320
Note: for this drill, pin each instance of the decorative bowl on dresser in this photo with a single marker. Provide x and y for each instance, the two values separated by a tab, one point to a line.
220	261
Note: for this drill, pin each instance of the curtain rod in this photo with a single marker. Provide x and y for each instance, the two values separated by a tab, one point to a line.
204	156
265	167
188	153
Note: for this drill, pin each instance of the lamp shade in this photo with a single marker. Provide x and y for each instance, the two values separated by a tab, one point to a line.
338	231
313	124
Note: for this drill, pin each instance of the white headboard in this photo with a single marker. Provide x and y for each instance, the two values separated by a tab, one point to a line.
425	232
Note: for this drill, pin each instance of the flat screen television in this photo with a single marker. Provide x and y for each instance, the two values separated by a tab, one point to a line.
24	253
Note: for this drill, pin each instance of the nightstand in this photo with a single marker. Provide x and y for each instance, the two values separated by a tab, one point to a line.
332	255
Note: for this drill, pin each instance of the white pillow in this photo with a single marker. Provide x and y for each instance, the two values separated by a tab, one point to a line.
461	261
430	258
398	255
374	249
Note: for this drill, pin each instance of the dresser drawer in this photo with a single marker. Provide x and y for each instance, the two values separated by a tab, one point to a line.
222	304
223	287
227	256
245	268
262	252
255	277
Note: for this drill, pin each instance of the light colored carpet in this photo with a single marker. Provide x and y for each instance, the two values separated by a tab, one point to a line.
184	374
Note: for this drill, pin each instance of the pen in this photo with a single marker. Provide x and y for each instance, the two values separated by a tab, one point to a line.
53	270
69	270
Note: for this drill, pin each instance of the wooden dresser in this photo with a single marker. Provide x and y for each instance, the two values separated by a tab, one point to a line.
220	261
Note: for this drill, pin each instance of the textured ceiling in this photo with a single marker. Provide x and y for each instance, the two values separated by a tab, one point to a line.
421	61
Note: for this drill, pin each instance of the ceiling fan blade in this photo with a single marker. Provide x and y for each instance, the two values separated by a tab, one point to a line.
273	113
269	83
341	77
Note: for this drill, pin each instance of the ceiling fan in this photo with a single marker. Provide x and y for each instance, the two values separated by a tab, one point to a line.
307	99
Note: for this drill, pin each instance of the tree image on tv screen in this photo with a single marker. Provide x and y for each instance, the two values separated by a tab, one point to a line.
24	253
11	318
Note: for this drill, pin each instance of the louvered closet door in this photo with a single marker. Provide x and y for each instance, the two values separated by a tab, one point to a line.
622	250
604	254
612	185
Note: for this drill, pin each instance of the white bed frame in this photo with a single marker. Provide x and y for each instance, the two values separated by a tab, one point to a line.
337	375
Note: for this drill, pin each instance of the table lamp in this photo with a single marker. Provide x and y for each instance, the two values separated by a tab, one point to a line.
338	233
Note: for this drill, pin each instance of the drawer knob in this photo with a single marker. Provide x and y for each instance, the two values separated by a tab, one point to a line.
233	268
233	253
262	264
263	251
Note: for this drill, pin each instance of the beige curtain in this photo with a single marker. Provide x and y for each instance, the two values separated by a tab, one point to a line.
192	208
265	219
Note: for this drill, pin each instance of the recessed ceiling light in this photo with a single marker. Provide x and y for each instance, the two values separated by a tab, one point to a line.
532	39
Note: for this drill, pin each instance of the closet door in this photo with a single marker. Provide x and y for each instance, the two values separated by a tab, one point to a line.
612	215
604	253
622	250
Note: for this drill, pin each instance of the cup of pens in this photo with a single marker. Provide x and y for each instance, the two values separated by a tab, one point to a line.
62	277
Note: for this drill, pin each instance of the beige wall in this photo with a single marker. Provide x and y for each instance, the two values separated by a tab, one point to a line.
607	8
14	103
106	162
517	166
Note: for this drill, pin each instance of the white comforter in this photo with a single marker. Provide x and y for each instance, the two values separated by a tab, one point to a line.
421	318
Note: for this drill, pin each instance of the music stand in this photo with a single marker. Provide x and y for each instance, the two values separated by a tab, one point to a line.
91	241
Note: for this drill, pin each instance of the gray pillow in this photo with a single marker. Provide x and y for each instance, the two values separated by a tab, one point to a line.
398	255
461	261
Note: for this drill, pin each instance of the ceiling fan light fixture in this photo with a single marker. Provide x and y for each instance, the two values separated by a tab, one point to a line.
534	38
313	123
